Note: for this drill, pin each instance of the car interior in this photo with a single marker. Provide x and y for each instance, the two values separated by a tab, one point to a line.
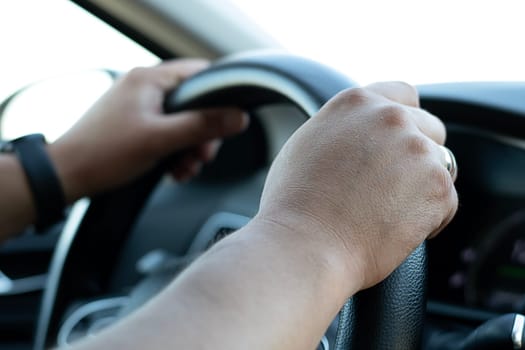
464	289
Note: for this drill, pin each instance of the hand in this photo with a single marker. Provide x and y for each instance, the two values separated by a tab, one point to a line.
364	180
126	132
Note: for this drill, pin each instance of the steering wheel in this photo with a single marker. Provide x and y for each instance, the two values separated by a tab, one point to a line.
389	315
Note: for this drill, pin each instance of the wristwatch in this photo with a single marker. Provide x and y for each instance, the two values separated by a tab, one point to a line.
48	195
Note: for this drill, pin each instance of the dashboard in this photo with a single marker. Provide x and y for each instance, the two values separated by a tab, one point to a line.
479	260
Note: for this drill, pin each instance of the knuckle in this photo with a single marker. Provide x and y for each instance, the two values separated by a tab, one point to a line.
441	131
136	75
410	90
453	202
417	145
449	210
355	96
394	116
435	126
443	188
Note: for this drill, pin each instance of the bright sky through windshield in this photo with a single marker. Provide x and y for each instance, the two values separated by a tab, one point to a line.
43	39
413	40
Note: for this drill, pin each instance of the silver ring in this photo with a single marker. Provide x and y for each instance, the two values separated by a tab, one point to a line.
450	162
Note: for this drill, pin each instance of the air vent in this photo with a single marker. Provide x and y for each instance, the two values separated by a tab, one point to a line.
216	228
221	233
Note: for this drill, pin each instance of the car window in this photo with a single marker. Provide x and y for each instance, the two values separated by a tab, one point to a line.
412	40
43	39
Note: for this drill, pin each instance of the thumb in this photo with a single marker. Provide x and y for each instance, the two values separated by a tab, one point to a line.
190	128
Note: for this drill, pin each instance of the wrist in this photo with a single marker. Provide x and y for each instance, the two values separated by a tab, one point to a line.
68	171
40	177
319	246
14	190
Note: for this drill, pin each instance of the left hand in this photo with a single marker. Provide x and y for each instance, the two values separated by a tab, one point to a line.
126	132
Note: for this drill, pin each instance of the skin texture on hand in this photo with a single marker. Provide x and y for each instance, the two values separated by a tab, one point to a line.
350	195
373	182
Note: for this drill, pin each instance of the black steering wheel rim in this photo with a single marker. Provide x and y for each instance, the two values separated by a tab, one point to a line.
389	315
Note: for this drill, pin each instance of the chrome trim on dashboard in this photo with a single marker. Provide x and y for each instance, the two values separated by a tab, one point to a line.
324	343
84	311
69	232
27	284
215	222
517	331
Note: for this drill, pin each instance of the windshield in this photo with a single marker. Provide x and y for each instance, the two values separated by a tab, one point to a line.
56	42
412	40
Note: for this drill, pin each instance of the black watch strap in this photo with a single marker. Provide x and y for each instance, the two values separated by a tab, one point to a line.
41	176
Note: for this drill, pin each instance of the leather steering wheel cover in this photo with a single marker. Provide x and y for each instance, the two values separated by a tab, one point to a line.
389	315
249	82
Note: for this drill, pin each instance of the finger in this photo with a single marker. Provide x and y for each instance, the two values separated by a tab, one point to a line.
204	152
187	173
407	95
396	91
182	160
178	174
171	73
208	151
452	209
186	167
190	170
190	163
190	128
447	194
429	124
181	175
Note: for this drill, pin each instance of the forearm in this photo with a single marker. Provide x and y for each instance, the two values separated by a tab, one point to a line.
262	288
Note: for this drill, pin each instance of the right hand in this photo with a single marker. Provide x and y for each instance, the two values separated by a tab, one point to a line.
364	179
